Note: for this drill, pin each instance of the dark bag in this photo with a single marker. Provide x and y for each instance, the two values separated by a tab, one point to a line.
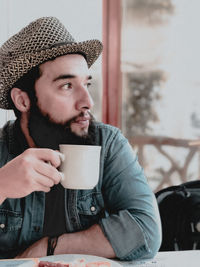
179	208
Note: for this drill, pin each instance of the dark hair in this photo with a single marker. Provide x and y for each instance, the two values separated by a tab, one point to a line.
27	84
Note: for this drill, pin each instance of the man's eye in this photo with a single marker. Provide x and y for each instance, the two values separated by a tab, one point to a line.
67	86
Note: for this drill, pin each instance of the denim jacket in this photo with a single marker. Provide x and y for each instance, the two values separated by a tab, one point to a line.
122	203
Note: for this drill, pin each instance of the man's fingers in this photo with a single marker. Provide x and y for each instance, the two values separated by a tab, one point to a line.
45	189
61	155
56	158
48	155
42	180
48	171
62	176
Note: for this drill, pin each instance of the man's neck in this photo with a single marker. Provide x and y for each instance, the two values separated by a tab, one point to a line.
25	130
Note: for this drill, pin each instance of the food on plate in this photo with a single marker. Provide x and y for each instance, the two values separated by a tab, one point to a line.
77	263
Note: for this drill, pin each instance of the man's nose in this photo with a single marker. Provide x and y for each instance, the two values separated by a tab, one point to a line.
85	100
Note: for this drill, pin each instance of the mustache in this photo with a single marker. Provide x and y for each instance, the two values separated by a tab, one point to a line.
88	115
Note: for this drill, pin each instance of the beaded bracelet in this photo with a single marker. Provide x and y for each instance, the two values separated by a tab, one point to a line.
52	242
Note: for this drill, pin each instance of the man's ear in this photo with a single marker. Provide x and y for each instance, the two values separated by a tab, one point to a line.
20	99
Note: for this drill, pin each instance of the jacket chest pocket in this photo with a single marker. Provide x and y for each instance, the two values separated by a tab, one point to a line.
90	209
10	226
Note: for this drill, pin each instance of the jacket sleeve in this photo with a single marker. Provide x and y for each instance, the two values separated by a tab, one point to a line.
132	224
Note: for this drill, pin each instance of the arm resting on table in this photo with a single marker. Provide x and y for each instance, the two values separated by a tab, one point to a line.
132	224
91	241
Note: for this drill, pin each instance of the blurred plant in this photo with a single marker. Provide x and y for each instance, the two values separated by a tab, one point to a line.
149	11
195	120
144	91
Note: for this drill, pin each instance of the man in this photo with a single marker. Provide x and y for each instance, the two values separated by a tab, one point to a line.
44	78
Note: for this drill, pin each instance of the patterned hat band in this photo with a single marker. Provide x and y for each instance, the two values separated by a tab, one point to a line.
42	40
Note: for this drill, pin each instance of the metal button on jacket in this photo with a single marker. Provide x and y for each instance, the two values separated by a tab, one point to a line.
198	226
92	208
2	225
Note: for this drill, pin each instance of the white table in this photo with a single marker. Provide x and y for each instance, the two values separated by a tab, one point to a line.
190	258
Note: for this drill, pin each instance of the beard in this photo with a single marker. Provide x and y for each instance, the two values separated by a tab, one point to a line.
47	133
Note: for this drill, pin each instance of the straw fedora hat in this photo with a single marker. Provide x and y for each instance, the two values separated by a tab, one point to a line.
43	39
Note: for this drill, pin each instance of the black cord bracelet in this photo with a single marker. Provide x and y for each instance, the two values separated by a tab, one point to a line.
52	242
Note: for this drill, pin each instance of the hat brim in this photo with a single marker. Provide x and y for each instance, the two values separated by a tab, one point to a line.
18	67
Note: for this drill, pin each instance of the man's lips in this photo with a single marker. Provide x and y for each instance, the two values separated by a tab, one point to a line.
83	120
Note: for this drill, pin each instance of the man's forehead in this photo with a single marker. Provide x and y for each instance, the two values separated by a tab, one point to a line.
73	64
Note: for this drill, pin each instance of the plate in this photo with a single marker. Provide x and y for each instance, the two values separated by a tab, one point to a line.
73	257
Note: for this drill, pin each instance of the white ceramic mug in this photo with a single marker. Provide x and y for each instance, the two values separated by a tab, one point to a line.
80	167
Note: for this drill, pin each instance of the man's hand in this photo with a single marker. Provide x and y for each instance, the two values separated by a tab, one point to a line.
37	250
29	172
